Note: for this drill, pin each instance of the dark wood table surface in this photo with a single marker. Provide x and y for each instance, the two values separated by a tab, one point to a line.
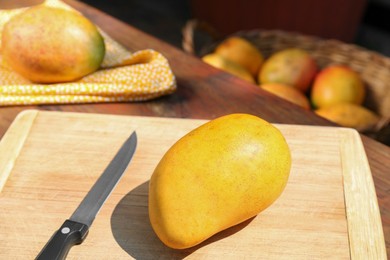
205	93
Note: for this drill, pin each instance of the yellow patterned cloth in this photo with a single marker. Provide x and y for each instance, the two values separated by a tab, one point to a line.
123	76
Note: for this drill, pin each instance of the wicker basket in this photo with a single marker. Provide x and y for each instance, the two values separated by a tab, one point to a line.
373	67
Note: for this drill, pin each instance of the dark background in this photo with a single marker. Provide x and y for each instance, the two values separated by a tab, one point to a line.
166	18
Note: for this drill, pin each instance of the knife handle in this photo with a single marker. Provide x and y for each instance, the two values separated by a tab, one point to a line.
71	233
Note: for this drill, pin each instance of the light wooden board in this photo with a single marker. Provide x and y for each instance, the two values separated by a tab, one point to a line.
49	160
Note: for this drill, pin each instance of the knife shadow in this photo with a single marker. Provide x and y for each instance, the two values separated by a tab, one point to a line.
132	230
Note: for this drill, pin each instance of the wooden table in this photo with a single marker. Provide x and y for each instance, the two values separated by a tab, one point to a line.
205	93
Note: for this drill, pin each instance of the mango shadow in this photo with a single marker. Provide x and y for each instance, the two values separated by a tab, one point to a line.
132	230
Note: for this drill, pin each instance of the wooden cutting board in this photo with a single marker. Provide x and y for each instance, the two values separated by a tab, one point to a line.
49	160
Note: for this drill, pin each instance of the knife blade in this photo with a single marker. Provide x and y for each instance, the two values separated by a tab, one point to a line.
75	229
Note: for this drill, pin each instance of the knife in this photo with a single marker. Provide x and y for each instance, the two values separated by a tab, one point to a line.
75	229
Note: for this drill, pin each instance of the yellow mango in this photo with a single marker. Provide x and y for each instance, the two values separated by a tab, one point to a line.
220	62
350	115
50	45
337	84
241	51
288	93
217	176
292	66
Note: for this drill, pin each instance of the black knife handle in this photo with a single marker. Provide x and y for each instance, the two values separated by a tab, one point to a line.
71	233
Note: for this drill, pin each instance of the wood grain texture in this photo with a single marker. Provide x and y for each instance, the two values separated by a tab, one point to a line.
12	143
360	198
64	153
205	93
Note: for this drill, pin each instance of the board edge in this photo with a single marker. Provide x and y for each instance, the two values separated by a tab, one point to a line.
14	137
365	231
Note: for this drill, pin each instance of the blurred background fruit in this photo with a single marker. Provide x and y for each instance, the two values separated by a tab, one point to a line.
350	115
220	62
242	52
337	84
366	55
287	92
373	95
291	66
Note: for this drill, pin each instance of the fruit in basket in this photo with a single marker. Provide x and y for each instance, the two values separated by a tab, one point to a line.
292	66
287	92
350	115
337	84
218	175
241	51
50	45
220	62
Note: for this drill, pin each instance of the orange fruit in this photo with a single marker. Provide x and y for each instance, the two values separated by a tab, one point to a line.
217	61
350	115
287	92
293	66
243	52
337	84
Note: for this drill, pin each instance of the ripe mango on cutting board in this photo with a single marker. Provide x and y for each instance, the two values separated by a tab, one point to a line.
217	176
